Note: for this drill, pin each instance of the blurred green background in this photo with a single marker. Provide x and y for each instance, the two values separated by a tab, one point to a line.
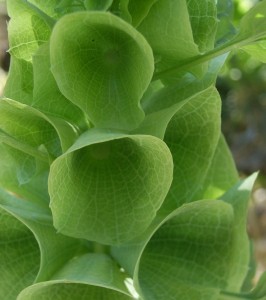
242	86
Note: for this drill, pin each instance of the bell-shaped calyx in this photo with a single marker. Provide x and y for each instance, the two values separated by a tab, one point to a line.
103	65
108	186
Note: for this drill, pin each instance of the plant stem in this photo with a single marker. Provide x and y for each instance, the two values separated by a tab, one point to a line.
191	62
232	296
23	147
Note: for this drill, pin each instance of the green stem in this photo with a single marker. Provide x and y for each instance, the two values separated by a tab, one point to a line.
232	296
50	21
192	62
5	139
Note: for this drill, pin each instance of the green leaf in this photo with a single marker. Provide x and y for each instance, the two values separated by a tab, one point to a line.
128	154
17	7
171	41
68	6
181	89
203	19
90	276
104	70
252	30
47	7
124	12
128	253
192	136
257	293
215	184
97	4
156	123
248	282
40	154
114	187
67	133
120	9
168	96
11	169
68	291
19	256
26	32
25	211
46	95
23	42
257	50
25	164
29	141
19	85
189	255
225	14
139	9
253	24
161	103
222	173
239	197
36	132
25	125
54	249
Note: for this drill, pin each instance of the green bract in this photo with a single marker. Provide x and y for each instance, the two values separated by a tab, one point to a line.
112	183
103	65
115	178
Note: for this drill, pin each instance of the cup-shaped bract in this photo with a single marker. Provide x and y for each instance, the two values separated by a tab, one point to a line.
189	256
103	65
28	126
109	192
89	276
168	30
18	270
31	250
